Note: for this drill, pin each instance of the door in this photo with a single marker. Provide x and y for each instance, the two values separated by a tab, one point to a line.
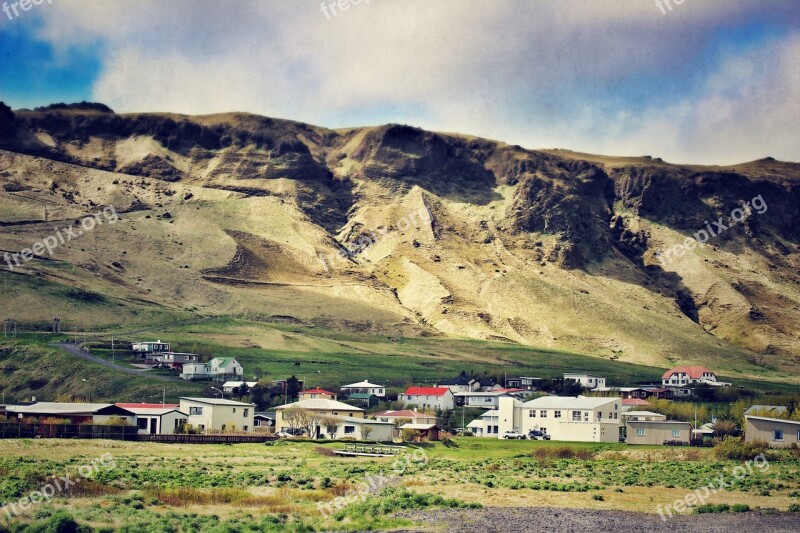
153	426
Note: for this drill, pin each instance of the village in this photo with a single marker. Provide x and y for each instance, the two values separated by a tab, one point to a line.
578	407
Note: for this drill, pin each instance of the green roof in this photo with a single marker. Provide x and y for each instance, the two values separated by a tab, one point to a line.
223	361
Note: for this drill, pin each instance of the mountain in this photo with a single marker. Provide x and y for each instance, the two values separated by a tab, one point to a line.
400	231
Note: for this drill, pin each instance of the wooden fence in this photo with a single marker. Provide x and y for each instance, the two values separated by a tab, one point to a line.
207	439
15	430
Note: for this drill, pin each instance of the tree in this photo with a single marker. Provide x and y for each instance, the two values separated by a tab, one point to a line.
445	419
331	424
298	419
365	431
293	388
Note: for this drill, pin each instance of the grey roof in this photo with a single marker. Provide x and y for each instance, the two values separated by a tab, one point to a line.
776	409
218	401
60	408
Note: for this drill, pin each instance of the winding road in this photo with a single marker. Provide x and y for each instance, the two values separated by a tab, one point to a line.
76	350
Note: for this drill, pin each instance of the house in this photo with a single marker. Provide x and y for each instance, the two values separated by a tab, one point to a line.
527	383
264	422
195	372
428	397
461	383
149	347
587	381
776	432
580	419
348	427
624	392
656	431
421	432
175	359
404	415
319	408
486	425
642	416
76	413
225	366
363	399
312	394
632	404
706	431
687	375
364	387
658	392
229	386
488	384
217	368
488	400
156	418
768	411
213	414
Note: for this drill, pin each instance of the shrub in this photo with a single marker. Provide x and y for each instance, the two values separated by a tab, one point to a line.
598	497
732	448
794	508
740	508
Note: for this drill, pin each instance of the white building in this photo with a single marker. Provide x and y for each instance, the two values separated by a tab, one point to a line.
156	418
487	425
147	347
643	416
218	367
488	399
356	428
587	381
228	386
364	387
580	419
687	375
175	359
216	414
428	398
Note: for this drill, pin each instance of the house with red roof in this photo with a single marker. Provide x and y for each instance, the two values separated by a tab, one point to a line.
317	393
681	376
634	404
427	398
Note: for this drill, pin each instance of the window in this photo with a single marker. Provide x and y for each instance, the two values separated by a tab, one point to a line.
497	429
349	430
556	414
543	430
532	413
576	416
196	411
586	416
543	413
640	432
142	422
246	412
798	435
234	410
777	434
676	432
244	428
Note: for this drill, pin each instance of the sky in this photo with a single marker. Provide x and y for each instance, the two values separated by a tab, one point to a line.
701	81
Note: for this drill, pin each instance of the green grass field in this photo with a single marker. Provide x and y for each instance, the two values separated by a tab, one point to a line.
282	486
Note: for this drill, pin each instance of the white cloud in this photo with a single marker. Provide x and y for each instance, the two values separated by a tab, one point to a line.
507	70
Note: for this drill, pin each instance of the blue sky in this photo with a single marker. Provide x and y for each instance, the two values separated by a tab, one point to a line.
706	82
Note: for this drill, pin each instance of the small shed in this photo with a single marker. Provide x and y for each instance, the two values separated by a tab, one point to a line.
421	432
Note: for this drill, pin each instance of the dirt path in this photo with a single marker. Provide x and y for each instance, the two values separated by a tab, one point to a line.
557	520
77	352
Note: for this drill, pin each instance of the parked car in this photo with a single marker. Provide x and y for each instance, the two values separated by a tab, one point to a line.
535	434
513	435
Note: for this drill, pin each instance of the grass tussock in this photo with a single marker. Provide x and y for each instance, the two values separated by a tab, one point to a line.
185	496
544	454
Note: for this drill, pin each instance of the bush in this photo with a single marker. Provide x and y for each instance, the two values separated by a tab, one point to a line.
598	497
710	508
734	449
740	508
794	508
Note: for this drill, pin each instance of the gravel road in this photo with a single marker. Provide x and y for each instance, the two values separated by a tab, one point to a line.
556	520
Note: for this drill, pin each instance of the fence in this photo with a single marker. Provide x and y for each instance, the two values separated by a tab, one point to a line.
207	439
66	431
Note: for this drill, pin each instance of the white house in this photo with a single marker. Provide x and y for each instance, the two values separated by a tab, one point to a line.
687	375
587	381
156	418
462	383
319	408
428	398
218	367
217	414
485	426
487	399
355	428
642	416
364	387
175	359
147	347
580	419
228	386
405	415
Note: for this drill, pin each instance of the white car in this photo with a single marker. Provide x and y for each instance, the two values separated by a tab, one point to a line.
513	435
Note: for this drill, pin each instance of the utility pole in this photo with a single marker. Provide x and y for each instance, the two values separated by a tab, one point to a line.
113	357
163	396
